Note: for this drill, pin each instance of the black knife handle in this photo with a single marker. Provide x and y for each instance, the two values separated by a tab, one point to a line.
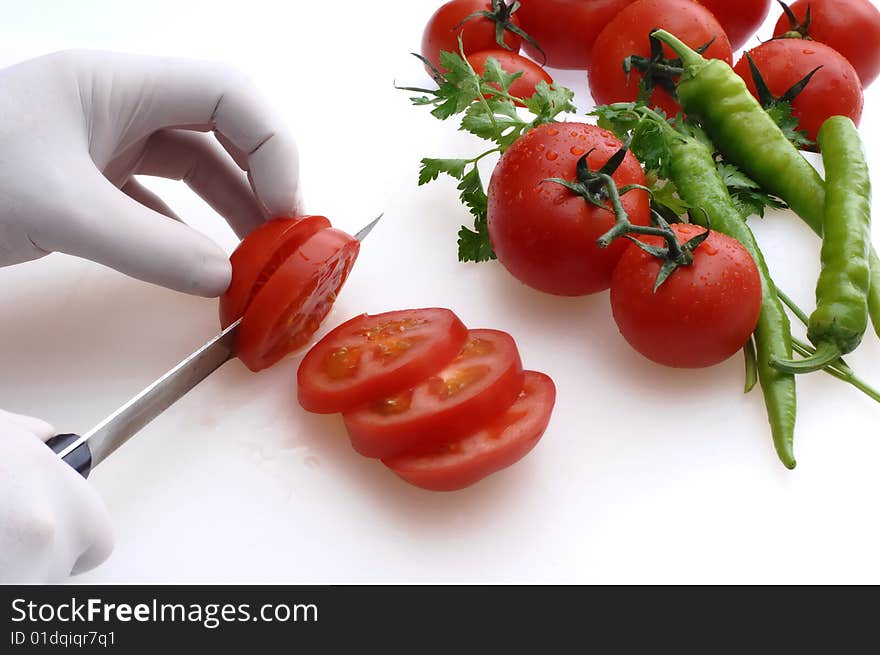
80	458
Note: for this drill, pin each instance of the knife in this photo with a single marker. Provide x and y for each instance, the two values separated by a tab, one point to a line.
85	452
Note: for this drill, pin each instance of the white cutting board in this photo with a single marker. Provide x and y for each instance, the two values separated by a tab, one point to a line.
645	475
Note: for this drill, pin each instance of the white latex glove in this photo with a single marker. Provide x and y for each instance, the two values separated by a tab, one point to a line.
52	523
77	125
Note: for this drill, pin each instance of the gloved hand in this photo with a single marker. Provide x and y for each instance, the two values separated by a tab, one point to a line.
77	125
52	523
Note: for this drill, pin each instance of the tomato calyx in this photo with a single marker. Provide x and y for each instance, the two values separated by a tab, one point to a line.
799	30
675	253
501	14
780	108
657	70
765	95
598	188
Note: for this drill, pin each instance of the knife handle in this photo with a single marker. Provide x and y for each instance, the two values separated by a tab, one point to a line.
80	458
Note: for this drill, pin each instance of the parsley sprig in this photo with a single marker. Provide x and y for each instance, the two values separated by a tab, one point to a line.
488	110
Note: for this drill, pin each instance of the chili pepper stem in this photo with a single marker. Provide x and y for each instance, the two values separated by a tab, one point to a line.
826	354
751	360
844	374
691	59
793	307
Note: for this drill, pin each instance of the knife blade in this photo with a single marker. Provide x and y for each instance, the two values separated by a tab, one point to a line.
85	452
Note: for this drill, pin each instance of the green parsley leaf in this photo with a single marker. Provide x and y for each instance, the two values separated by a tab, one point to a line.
692	130
747	195
474	246
619	120
472	194
492	120
753	202
648	143
735	178
431	169
781	114
650	147
665	194
495	75
548	102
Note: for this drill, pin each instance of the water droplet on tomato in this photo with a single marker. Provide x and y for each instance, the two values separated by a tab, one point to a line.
552	131
576	151
552	156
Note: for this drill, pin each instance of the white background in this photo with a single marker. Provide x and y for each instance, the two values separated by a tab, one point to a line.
645	475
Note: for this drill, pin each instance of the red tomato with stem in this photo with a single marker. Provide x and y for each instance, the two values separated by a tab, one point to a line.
289	308
740	19
852	27
544	234
369	358
834	90
494	446
629	34
479	33
259	255
479	384
701	315
510	62
566	29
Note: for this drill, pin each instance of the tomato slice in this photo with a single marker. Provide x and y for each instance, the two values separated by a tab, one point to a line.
259	255
290	306
478	385
502	442
372	357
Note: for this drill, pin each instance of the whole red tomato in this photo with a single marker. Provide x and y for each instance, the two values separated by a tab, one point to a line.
834	90
566	29
545	234
628	34
852	27
477	34
740	19
701	315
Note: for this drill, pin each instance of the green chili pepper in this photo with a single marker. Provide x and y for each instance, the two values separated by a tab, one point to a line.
841	317
713	94
693	170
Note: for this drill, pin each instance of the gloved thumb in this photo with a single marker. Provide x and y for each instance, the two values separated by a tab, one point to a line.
107	226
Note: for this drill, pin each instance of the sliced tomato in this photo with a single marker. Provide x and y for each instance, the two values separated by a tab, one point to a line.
372	357
290	306
259	255
502	442
481	382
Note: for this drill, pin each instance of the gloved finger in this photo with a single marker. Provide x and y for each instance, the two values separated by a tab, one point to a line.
105	225
205	96
35	426
208	171
85	520
50	517
96	534
138	192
